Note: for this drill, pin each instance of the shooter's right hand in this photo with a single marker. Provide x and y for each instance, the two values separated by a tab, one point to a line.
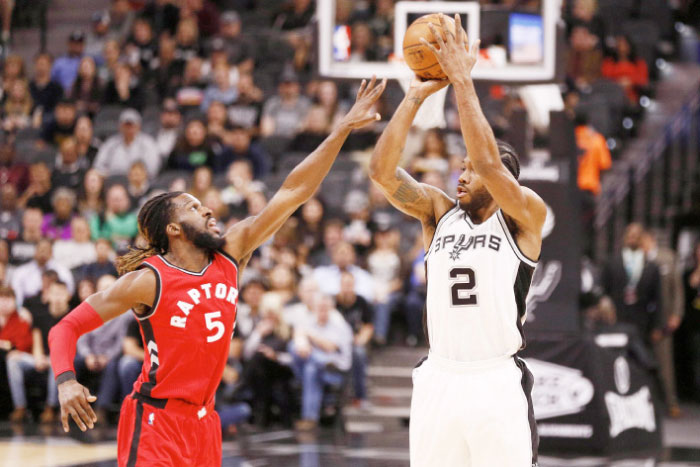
75	401
422	88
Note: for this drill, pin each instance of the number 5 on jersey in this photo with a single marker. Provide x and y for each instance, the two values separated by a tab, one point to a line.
212	323
463	281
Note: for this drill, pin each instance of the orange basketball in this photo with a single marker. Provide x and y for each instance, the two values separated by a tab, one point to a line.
417	56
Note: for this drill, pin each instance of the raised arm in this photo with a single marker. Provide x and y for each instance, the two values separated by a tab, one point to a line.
457	60
243	238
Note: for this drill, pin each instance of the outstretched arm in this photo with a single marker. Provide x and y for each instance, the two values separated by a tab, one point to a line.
303	181
457	60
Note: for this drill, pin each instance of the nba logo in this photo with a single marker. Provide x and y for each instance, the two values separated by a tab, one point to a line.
151	417
341	43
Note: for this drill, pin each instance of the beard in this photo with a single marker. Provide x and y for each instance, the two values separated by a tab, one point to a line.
477	201
202	239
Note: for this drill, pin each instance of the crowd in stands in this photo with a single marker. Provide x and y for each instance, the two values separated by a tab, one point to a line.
219	99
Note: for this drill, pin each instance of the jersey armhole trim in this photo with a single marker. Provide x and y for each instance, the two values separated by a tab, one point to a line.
159	288
229	257
442	219
514	245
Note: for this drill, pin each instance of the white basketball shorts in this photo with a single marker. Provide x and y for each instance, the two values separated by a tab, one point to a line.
472	414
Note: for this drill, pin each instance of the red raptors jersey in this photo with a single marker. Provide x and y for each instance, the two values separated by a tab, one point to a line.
187	332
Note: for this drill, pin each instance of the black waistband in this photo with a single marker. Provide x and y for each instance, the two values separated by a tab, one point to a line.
157	403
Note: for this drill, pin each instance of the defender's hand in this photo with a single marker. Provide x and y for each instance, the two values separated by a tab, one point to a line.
421	89
360	115
454	54
75	401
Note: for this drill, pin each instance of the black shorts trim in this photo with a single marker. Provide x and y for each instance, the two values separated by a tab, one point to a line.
527	381
152	401
136	436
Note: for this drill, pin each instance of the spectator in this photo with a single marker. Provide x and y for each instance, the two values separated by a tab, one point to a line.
585	14
357	232
414	298
633	284
163	15
44	318
315	129
86	90
109	61
241	184
344	259
124	89
23	248
170	127
206	14
595	155
38	193
103	264
10	216
138	186
193	148
362	47
141	46
238	48
131	361
190	93
120	151
69	170
672	310
98	355
166	69
91	198
332	236
434	155
17	109
65	68
45	91
247	109
248	313
294	14
57	224
282	283
584	57
12	71
298	313
78	250
26	280
216	121
98	36
15	332
62	125
221	90
321	352
284	113
187	37
240	146
384	263
87	145
202	179
627	69
310	229
359	315
118	223
15	173
687	342
121	19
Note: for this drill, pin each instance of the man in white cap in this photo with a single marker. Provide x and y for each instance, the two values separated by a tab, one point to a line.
130	145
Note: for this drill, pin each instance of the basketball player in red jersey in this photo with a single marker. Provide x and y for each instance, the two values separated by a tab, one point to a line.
183	288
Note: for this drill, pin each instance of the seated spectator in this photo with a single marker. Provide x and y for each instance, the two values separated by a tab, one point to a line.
362	44
141	46
240	178
316	128
164	15
118	223
44	317
10	216
193	148
221	90
359	315
187	38
26	279
284	113
310	230
627	69
12	71
585	14
332	236
138	186
248	313
65	67
584	57
267	371
91	198
87	145
98	35
169	129
98	355
282	283
166	69
190	93
357	232
62	125
384	264
46	92
17	109
414	300
109	61
239	50
78	250
297	313
216	120
86	90
15	331
321	352
344	259
23	248
120	151
103	264
57	224
121	18
239	146
38	193
70	169
294	14
434	156
124	89
202	182
12	172
247	109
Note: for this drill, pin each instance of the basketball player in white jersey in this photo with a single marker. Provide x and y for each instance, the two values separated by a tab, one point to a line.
471	402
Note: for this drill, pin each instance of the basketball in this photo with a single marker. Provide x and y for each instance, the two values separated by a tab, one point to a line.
419	57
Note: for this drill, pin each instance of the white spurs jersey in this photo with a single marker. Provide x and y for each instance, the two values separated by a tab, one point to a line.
478	281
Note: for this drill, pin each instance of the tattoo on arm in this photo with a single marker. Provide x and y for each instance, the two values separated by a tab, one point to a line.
415	101
406	193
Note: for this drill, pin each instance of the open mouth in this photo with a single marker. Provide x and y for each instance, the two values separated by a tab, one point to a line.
211	225
461	191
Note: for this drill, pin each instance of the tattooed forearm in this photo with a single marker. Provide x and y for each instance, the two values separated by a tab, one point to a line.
417	101
406	193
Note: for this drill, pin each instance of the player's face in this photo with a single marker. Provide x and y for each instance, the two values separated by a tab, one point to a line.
471	192
198	225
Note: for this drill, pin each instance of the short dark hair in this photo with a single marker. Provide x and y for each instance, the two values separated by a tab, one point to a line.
509	157
7	291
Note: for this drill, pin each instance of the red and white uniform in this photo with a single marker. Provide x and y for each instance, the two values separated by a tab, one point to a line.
186	338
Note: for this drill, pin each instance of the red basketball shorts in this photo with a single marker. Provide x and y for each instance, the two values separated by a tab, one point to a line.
167	433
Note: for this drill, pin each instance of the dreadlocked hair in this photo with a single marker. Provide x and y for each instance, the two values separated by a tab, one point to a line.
153	219
509	157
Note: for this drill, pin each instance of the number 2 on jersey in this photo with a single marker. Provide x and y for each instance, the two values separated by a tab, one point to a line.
466	281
